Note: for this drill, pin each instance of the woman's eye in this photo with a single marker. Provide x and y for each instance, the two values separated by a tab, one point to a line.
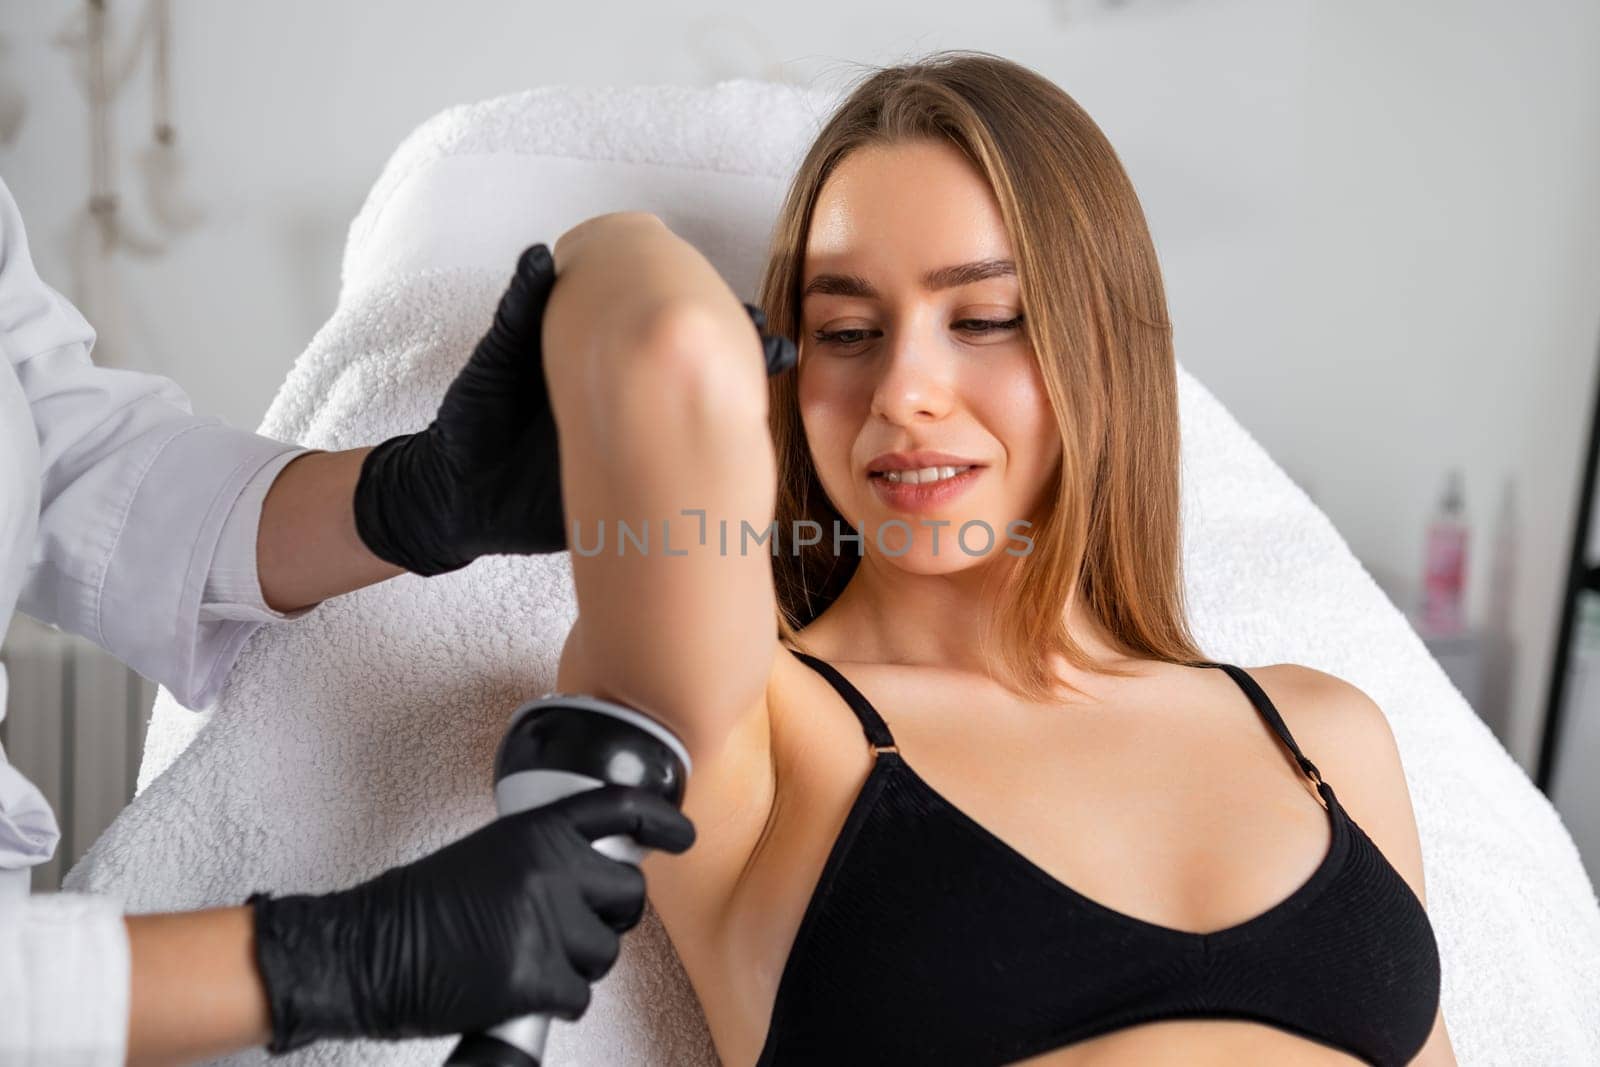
849	337
838	337
990	325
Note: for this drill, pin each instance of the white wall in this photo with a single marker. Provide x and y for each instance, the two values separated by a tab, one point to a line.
1377	220
1449	270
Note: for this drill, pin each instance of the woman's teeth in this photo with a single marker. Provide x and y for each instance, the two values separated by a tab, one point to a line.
923	475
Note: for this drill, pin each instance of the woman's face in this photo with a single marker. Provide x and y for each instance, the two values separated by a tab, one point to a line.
894	361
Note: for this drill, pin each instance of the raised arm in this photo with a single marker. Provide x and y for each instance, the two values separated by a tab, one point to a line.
659	391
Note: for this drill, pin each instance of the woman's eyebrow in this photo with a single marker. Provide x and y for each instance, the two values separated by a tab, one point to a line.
933	280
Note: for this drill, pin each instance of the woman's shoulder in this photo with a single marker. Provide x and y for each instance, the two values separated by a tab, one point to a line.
1344	731
1332	719
1324	713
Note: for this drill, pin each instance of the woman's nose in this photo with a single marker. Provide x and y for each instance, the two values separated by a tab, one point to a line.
915	380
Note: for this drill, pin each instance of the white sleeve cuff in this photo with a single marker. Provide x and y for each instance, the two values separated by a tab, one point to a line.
233	584
148	606
64	980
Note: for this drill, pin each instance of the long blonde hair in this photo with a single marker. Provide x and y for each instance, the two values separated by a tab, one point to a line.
1095	312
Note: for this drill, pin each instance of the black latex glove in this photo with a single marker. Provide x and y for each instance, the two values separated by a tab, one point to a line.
778	351
485	476
516	917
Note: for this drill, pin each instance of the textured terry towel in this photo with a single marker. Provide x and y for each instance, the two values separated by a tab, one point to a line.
362	735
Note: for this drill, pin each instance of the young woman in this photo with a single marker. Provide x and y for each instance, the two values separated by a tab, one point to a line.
962	796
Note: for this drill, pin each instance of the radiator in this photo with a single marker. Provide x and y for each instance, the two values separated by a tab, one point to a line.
75	725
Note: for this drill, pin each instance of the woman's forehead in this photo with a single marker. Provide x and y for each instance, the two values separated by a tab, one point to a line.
867	270
920	205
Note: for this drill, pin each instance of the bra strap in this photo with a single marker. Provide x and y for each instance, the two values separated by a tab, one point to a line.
1264	705
878	735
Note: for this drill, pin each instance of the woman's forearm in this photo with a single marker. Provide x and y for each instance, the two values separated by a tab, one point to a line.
196	990
307	548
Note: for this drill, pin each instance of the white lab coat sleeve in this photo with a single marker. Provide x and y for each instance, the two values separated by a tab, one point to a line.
233	585
64	981
137	494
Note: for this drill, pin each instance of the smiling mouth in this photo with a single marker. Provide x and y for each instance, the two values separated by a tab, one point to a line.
942	487
921	475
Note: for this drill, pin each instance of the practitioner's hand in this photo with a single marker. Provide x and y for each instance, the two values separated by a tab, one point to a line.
778	351
515	918
485	476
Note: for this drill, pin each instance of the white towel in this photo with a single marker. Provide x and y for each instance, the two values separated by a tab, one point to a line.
363	735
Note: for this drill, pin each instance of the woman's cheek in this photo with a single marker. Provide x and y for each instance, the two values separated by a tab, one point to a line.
829	437
827	411
1032	436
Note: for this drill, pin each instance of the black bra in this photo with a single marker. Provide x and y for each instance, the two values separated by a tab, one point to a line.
929	940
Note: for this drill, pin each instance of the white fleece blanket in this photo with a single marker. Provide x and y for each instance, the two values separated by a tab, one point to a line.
362	735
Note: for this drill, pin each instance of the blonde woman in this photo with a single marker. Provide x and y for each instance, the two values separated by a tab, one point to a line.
966	790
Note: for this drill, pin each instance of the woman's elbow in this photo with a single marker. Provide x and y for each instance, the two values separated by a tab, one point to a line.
683	360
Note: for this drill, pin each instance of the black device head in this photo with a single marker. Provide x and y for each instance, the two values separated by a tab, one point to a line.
593	738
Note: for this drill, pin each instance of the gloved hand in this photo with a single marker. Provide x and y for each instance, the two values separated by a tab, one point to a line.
485	476
777	350
516	917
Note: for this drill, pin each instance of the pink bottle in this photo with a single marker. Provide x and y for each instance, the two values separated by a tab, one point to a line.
1445	564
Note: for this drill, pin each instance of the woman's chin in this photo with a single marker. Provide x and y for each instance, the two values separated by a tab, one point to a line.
922	555
931	564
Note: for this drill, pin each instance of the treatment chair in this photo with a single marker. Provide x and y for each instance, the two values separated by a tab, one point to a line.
363	735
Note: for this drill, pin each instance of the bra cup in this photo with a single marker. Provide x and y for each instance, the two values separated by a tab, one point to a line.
1009	962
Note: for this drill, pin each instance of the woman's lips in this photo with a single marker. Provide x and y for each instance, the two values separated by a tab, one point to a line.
923	496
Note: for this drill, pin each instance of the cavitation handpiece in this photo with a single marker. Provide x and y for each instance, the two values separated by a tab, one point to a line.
558	745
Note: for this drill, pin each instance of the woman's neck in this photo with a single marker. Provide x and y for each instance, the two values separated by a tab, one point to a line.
889	615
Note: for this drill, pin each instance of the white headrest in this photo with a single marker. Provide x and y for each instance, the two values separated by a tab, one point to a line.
475	185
